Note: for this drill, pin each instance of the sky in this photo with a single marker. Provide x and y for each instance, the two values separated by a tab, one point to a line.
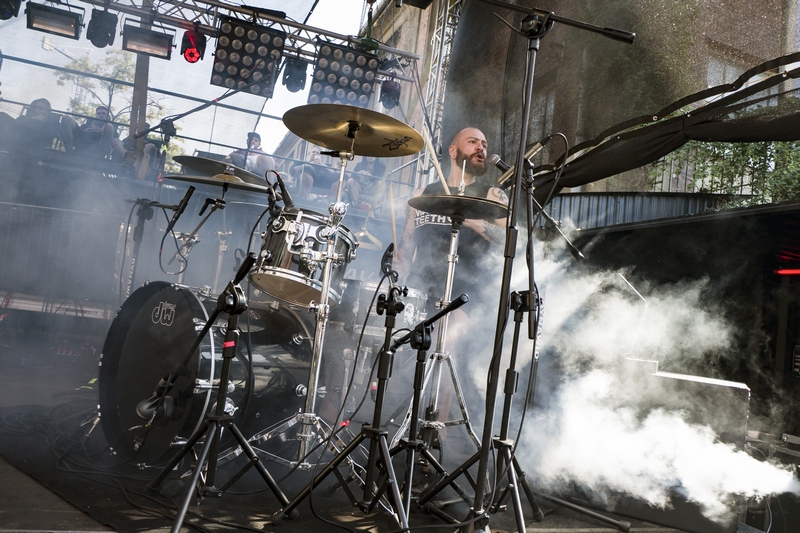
23	83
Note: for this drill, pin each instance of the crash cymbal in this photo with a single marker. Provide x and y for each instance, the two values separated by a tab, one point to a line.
376	134
212	167
219	180
459	206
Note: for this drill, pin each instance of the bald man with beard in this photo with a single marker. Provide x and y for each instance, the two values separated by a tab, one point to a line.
426	238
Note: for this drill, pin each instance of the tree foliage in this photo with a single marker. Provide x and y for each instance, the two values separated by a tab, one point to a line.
109	83
753	173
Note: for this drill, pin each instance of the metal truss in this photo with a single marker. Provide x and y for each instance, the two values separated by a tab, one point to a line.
205	14
441	45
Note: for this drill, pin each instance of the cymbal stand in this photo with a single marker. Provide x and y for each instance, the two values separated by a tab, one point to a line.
143	214
311	424
376	484
188	240
431	425
533	27
233	302
222	235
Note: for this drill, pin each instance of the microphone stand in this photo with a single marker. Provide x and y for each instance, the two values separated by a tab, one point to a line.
233	302
375	485
533	27
143	214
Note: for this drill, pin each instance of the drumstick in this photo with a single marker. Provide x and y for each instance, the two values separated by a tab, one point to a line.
435	161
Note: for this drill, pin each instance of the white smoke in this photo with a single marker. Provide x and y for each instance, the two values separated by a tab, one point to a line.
589	438
605	428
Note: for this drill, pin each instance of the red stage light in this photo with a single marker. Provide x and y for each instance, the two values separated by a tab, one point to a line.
193	46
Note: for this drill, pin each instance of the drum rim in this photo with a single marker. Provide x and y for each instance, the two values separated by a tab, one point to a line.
346	232
333	294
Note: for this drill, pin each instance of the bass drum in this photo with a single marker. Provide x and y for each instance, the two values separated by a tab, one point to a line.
150	337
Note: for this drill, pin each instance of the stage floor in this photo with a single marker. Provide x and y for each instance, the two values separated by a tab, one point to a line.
55	478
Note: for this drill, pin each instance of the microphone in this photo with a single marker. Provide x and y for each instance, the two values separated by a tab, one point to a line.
180	209
158	403
387	261
499	163
287	198
504	182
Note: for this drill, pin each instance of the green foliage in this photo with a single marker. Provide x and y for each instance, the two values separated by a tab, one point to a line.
99	87
93	91
755	173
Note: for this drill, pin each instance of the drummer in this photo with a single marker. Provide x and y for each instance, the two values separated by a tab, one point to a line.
426	238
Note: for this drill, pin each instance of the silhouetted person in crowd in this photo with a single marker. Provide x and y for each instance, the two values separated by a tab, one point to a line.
38	127
253	158
94	137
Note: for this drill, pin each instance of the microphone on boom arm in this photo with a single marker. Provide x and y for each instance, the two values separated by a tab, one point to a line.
180	208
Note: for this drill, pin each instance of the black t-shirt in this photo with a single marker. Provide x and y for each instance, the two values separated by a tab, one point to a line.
323	176
36	133
432	236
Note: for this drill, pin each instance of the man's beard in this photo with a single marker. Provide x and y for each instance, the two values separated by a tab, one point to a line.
472	167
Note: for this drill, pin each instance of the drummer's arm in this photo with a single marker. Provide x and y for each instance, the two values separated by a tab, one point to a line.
491	230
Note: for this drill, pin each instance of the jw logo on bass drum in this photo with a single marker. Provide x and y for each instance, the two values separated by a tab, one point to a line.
164	313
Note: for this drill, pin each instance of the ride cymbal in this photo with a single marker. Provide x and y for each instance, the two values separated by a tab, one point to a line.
212	167
335	127
459	206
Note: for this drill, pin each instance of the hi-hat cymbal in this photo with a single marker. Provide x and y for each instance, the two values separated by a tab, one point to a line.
219	180
212	167
376	134
452	205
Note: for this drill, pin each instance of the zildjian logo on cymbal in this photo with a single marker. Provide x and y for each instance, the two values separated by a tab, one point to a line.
397	143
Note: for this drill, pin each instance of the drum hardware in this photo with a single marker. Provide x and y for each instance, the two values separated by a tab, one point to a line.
212	167
334	127
432	379
143	214
233	302
221	180
188	240
346	131
222	247
380	476
533	27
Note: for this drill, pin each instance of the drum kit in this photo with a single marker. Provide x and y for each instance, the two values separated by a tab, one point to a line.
152	397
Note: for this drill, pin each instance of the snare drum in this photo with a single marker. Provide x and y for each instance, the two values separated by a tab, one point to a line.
292	258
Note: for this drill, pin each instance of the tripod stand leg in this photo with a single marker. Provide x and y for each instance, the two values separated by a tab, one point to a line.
538	515
194	439
427	495
211	429
289	508
251	454
512	489
461	403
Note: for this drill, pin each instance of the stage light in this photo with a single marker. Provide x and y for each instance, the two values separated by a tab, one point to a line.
342	75
9	9
193	46
247	57
102	28
390	93
63	22
148	42
294	74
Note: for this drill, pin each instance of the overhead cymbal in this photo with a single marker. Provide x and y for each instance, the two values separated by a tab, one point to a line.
212	167
219	180
376	134
452	205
